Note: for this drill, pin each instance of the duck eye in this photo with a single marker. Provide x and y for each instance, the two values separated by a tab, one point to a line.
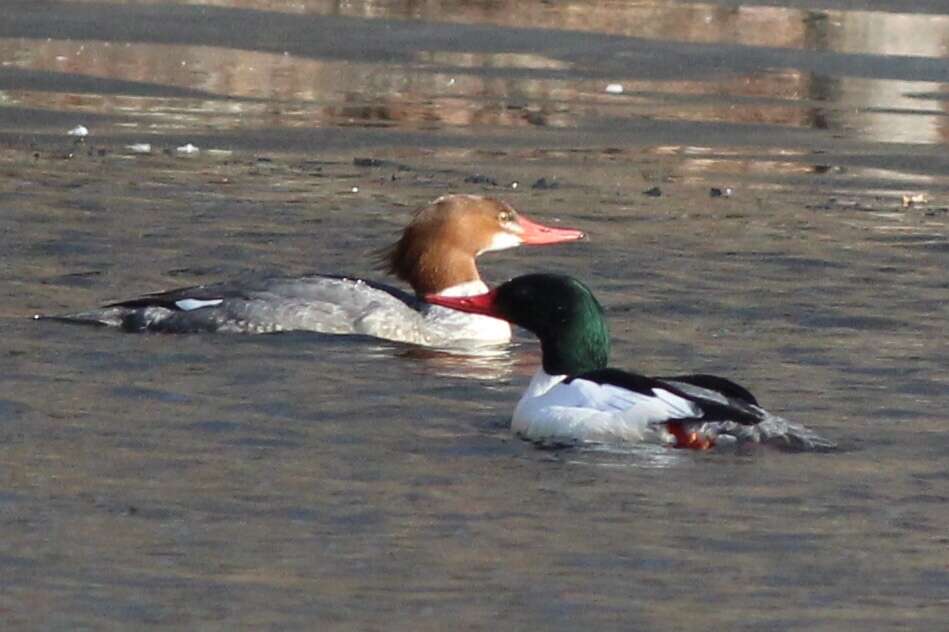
505	217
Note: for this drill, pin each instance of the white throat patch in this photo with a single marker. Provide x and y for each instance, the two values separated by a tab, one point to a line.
468	288
502	241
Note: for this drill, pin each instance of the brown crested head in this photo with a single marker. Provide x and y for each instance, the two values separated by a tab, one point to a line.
437	249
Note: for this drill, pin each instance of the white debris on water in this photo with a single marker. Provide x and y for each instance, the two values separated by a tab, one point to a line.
615	88
187	149
79	130
721	192
140	148
355	189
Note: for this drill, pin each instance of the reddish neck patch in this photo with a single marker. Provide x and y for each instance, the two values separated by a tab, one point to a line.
479	304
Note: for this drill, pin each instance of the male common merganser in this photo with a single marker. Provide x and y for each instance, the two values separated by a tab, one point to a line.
574	397
435	255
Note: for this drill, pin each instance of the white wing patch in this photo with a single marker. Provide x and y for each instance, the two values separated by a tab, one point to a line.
679	408
659	406
189	304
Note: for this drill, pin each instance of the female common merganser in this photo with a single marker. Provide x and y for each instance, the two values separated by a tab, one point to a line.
435	255
574	397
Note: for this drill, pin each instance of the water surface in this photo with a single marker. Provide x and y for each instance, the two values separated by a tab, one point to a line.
300	480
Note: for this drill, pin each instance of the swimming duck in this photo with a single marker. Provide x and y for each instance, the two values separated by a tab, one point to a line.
575	397
435	255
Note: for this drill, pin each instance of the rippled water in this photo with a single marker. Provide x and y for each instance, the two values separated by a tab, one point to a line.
300	481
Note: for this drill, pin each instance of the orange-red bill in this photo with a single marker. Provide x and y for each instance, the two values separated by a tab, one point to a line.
538	234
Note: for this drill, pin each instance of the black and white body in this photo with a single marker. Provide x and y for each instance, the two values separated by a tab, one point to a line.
575	397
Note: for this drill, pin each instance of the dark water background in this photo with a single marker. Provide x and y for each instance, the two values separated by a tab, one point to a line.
312	482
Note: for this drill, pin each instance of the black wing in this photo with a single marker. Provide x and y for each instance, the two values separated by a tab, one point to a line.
718	398
715	383
169	299
624	379
249	287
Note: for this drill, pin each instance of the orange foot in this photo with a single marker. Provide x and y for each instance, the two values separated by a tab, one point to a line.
688	439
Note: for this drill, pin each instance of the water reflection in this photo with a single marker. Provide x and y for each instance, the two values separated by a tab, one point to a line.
885	110
636	456
488	364
654	19
785	67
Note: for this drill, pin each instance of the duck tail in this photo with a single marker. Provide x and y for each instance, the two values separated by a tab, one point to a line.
101	317
776	432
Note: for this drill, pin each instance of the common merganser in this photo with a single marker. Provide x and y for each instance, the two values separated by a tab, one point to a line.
435	255
575	398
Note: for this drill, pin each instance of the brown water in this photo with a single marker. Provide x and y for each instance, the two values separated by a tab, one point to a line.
312	482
